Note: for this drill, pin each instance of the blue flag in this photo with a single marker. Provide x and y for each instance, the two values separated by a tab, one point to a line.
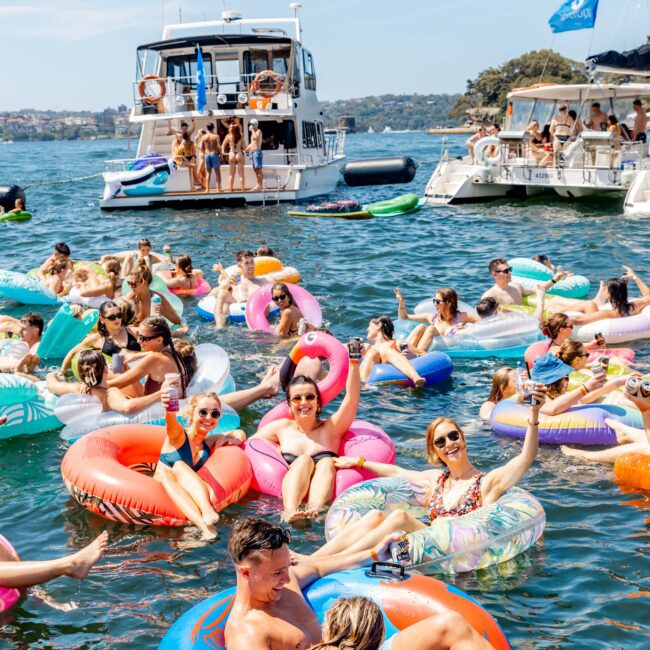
201	99
574	14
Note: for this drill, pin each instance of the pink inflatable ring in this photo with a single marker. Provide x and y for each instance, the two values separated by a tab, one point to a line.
539	348
255	307
8	595
200	289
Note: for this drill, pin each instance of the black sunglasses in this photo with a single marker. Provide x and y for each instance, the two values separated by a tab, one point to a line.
277	538
508	269
437	301
112	317
454	436
143	338
282	296
213	413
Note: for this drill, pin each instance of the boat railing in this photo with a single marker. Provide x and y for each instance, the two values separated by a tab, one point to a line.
179	94
335	145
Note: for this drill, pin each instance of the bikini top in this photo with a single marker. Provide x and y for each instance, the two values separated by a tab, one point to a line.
470	500
151	385
452	330
111	347
184	454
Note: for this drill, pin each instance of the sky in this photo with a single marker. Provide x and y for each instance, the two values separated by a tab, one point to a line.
80	54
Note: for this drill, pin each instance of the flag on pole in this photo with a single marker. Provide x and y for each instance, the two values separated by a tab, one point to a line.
201	99
574	14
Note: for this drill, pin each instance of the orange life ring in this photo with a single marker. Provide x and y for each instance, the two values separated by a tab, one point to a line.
103	471
266	74
162	89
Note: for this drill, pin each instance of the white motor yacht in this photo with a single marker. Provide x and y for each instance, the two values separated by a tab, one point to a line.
509	165
253	69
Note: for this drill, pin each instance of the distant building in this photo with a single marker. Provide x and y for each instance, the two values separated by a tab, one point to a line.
347	122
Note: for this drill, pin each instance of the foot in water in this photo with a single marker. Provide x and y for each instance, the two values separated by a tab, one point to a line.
300	514
81	562
621	430
419	382
571	452
28	363
209	533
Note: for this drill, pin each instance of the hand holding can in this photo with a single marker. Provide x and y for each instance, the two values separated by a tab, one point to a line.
171	392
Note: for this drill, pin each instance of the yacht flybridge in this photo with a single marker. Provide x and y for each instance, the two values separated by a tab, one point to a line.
510	165
251	69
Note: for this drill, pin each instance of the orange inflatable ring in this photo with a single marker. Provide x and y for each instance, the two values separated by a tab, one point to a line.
633	469
105	472
162	89
261	76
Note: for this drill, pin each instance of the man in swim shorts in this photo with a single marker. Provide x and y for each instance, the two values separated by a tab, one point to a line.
211	149
506	292
255	150
230	291
270	611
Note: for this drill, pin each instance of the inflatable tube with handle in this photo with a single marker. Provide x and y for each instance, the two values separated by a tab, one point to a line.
256	319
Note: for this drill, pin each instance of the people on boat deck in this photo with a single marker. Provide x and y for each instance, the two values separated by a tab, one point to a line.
230	291
130	259
141	296
597	119
640	121
184	155
184	128
561	128
386	349
60	257
233	147
309	444
503	386
211	145
537	140
184	275
185	451
30	329
481	133
452	490
255	150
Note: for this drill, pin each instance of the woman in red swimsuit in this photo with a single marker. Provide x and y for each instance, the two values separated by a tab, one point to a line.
451	491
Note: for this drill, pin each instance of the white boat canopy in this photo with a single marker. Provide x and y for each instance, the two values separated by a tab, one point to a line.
580	92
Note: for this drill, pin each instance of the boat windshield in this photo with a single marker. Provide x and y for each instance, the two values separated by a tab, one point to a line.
148	62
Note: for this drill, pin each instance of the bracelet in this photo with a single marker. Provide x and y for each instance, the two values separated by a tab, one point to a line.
533	424
374	556
553	281
360	462
583	389
354	362
645	410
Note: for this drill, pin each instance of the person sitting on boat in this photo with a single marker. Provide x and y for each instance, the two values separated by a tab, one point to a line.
30	329
184	276
386	349
597	119
481	133
184	155
536	142
185	451
141	296
60	255
255	151
640	121
614	127
130	259
309	445
452	490
492	150
561	126
233	147
211	146
444	322
230	291
503	386
577	127
506	292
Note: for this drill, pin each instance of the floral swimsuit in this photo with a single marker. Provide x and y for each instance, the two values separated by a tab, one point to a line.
470	500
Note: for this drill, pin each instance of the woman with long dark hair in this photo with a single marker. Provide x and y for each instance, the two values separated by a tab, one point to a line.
184	276
290	313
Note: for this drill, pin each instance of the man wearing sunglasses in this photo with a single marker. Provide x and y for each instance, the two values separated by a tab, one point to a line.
270	611
507	292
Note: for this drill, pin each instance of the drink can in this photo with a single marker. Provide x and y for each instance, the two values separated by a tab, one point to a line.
156	303
604	362
527	392
302	326
117	363
632	386
600	340
644	388
399	550
173	405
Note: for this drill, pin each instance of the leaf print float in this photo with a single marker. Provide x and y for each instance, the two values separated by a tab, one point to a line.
28	406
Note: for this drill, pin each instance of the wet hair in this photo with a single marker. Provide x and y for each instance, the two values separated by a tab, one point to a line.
353	623
144	242
210	127
449	297
300	380
240	255
33	319
551	326
250	534
617	289
264	251
91	367
142	273
128	311
103	308
184	263
281	286
193	401
492	266
21	201
386	325
487	307
557	388
570	351
500	380
542	259
112	266
62	248
182	351
432	451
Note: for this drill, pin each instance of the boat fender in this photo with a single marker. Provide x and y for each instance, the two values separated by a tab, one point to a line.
379	171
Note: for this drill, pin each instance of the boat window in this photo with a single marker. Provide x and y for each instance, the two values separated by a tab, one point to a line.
543	114
310	73
259	61
309	135
319	134
273	133
183	68
281	61
227	71
521	112
148	63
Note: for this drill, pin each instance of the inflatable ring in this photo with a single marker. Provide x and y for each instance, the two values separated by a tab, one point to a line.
262	76
256	318
263	265
492	534
632	469
536	350
616	330
143	83
404	599
103	472
580	425
237	310
65	331
30	415
199	290
529	273
22	215
8	595
362	439
25	289
435	367
482	145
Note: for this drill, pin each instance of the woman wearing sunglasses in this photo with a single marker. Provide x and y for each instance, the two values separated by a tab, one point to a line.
185	451
112	335
141	294
309	444
445	322
290	314
454	487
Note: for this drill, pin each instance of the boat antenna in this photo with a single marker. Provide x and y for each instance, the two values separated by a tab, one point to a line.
296	6
180	13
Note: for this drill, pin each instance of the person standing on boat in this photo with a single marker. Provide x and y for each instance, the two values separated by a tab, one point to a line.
255	150
212	153
597	119
640	121
233	147
561	128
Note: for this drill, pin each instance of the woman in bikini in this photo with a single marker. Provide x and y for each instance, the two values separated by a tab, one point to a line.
233	147
309	444
290	315
444	322
452	490
141	294
184	276
184	453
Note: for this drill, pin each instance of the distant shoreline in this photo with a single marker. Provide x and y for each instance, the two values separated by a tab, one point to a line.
451	130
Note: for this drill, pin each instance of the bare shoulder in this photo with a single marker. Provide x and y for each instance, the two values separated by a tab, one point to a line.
250	631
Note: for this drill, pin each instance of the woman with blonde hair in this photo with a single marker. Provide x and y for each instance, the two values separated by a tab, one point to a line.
503	386
141	296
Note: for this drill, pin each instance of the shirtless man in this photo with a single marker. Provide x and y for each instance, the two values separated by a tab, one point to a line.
640	121
211	146
506	292
481	133
597	119
230	291
61	254
269	610
255	150
30	328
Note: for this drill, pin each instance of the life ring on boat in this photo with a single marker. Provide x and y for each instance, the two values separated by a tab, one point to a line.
263	76
8	595
162	89
482	145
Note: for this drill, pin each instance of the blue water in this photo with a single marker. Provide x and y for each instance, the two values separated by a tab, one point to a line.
584	586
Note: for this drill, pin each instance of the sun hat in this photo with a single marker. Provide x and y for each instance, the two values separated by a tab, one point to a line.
548	369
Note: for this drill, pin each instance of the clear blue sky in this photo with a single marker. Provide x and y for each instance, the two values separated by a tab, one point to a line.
80	54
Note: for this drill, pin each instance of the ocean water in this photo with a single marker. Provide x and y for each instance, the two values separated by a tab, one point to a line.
586	583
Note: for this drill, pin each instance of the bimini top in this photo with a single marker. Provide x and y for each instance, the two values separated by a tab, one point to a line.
636	61
580	92
230	40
